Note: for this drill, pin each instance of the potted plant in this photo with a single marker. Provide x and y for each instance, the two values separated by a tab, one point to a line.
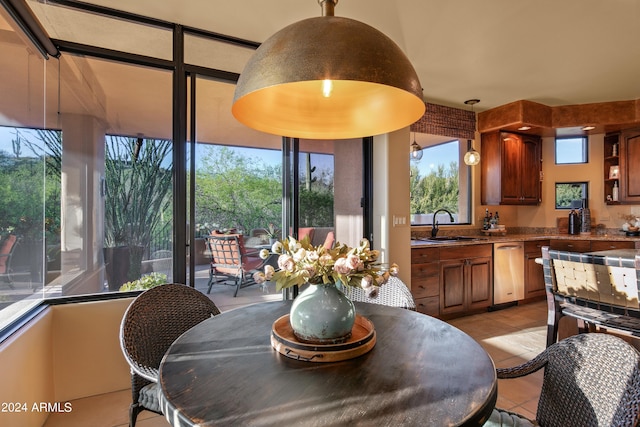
321	313
138	181
272	233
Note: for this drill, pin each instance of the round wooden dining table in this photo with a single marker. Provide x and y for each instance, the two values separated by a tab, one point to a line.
421	372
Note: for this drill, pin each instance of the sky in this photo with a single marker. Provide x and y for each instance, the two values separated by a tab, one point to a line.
441	154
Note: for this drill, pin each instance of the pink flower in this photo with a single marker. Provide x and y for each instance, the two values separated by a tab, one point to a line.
341	266
310	268
354	263
259	277
286	262
268	271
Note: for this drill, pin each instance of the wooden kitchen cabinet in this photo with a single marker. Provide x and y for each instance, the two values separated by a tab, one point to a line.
627	158
466	279
570	245
425	280
607	245
533	272
629	164
511	169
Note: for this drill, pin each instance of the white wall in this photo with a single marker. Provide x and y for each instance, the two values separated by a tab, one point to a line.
67	352
391	218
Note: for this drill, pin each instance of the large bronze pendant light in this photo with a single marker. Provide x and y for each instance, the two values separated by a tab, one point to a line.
328	78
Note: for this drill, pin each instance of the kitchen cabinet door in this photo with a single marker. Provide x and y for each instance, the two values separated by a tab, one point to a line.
466	279
511	166
452	283
533	272
478	283
511	173
629	164
530	167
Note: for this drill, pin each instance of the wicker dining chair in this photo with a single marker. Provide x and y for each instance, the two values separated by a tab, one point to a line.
589	380
149	326
393	293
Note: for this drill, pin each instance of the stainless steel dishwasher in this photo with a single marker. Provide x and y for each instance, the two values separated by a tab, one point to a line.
508	272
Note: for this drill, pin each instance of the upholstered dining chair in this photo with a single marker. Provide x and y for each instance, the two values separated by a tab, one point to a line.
149	326
231	262
589	380
393	293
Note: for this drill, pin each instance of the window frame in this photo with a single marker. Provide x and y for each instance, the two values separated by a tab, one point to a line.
464	182
585	193
585	149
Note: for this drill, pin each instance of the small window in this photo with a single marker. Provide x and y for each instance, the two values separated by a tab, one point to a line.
571	195
572	150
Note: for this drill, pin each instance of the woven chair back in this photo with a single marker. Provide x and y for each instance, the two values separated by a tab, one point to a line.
155	319
394	293
590	380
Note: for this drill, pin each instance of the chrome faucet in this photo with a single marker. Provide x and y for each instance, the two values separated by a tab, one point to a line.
434	229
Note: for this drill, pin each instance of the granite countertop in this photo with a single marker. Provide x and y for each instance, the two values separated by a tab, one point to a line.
515	237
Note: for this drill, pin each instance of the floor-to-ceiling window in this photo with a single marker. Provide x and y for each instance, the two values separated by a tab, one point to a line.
29	181
98	131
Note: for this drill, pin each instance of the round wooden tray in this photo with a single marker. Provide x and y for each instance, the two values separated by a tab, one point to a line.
363	338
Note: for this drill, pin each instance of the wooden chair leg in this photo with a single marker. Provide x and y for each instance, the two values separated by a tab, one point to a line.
553	319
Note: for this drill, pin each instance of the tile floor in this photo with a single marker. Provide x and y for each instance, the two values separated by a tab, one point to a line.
511	336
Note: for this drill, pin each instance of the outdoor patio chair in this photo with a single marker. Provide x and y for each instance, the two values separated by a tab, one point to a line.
150	325
7	248
589	380
231	262
393	293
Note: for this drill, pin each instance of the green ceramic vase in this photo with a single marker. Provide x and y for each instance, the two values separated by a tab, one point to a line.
322	314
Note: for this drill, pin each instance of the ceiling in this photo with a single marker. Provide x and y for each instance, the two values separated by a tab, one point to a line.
547	51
